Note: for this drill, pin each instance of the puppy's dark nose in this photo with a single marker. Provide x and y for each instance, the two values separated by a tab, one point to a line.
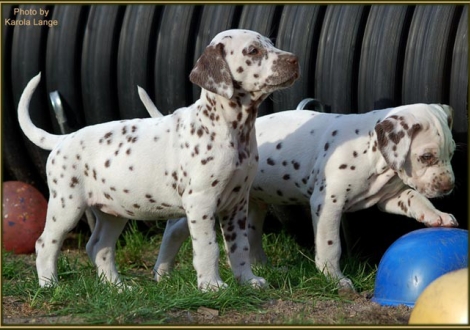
447	187
294	63
293	60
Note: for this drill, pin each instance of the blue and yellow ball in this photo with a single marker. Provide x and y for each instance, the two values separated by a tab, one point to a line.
415	260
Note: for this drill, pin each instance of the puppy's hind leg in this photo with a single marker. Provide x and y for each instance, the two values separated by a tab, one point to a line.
48	245
176	232
326	219
101	247
256	215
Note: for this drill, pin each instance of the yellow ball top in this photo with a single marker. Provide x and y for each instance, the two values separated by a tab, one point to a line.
444	301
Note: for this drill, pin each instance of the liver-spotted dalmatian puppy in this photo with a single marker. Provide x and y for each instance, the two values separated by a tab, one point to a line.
199	162
396	158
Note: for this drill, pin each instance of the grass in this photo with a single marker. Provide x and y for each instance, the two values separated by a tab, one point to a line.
291	276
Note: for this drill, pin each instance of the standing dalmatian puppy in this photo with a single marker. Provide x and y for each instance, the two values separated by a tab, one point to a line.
396	158
199	162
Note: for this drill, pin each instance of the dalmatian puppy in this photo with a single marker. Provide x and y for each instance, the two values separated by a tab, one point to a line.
396	158
199	162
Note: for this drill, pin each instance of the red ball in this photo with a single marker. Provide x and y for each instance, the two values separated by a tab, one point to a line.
24	216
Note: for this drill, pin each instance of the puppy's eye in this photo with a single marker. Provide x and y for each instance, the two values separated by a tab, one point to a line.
253	51
426	158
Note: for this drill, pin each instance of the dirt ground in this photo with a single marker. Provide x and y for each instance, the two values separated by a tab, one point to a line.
278	312
359	310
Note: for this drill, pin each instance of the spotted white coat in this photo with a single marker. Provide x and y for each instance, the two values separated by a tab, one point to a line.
199	162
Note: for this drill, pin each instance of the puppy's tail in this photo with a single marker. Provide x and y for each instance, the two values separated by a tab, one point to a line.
148	103
38	136
317	105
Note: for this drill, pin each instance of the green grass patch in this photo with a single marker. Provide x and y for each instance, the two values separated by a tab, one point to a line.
291	274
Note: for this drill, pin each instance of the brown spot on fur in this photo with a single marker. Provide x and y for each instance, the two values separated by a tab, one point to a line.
396	137
73	182
233	248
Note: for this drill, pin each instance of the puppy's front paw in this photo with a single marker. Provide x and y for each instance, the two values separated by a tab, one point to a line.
257	282
448	220
211	285
439	219
345	287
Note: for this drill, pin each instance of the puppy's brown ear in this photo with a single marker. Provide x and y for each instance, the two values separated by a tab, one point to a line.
212	72
394	135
